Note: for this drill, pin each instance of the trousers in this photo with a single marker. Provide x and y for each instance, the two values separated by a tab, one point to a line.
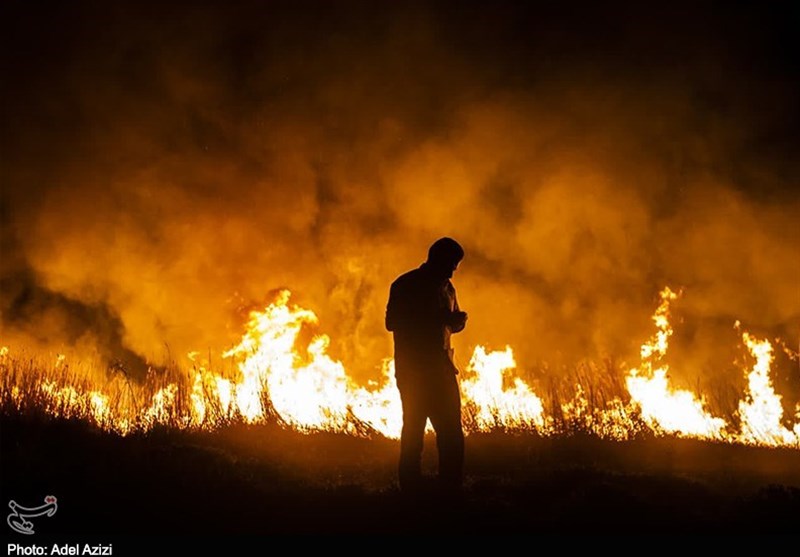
436	397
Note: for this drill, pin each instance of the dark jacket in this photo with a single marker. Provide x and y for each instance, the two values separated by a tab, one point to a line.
420	315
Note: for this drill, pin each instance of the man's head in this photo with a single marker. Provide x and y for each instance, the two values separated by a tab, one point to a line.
444	255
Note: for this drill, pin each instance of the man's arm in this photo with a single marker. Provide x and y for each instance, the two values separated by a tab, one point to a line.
457	319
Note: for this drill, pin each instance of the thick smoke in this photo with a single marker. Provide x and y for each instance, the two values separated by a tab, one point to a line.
164	165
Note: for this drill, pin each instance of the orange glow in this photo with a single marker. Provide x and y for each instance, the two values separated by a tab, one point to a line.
517	407
761	410
299	383
663	408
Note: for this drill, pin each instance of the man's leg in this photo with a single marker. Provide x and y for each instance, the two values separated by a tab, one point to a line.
413	434
446	421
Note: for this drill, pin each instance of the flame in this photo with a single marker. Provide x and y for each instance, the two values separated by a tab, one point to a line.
281	377
680	412
673	411
380	407
516	407
761	411
315	394
311	395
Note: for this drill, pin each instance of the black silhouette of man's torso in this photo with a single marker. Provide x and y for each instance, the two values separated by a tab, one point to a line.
419	309
420	314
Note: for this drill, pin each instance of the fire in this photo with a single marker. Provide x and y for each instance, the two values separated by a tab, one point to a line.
761	411
282	377
517	407
680	412
312	393
674	411
72	402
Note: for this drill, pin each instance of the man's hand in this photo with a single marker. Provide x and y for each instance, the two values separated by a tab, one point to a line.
458	320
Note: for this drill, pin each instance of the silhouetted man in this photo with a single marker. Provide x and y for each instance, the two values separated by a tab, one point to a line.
422	313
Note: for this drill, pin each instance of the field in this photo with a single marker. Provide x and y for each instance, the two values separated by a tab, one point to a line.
206	208
170	458
264	480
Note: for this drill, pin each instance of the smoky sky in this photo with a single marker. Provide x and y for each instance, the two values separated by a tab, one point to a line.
165	165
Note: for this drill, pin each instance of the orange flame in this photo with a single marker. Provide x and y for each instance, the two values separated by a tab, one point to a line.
761	411
517	407
308	390
673	411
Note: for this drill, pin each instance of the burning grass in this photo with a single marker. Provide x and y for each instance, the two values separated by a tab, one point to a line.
279	443
33	387
278	374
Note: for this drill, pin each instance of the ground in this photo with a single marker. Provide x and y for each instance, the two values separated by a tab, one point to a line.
265	480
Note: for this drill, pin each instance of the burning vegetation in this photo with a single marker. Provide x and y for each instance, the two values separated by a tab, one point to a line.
162	163
277	372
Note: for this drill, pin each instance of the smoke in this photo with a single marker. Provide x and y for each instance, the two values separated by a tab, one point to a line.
163	166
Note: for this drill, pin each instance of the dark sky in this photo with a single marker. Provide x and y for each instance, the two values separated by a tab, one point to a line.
163	163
